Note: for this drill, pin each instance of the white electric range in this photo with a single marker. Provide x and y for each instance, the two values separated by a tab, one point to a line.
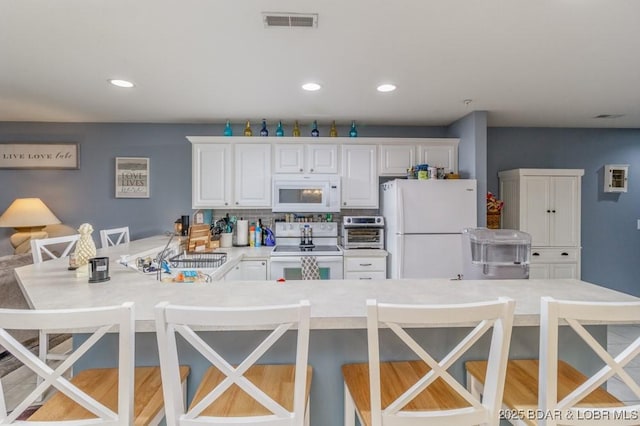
294	240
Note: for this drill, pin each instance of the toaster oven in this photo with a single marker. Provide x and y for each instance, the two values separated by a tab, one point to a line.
359	232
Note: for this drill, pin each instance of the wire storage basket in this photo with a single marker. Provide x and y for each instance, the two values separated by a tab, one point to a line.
199	260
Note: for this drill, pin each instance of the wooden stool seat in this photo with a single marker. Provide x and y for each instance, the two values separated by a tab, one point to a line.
102	384
521	385
275	380
395	378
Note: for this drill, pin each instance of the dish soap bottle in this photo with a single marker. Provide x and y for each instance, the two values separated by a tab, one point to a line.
314	129
264	131
247	129
258	236
252	235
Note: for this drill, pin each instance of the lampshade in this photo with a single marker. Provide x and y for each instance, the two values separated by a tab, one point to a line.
27	213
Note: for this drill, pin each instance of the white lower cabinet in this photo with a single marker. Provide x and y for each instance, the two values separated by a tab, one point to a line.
554	263
365	268
248	270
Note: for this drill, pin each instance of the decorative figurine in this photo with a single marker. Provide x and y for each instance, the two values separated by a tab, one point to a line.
85	247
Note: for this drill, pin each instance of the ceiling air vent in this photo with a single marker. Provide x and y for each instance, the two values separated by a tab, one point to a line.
279	19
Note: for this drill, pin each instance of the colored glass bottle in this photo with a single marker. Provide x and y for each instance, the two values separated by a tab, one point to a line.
279	130
314	129
264	131
227	129
296	129
334	130
247	129
353	132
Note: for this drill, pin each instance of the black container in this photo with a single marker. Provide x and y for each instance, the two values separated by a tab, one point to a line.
185	225
99	269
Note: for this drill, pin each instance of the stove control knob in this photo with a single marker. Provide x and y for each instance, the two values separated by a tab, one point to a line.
378	220
348	220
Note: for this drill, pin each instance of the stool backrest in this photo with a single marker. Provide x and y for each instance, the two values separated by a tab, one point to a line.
114	236
482	316
98	321
182	320
43	246
555	313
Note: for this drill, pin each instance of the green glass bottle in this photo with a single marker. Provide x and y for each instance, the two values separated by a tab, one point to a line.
279	129
296	129
227	129
247	129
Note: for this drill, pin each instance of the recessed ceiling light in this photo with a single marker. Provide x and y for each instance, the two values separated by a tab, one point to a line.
121	83
311	87
386	88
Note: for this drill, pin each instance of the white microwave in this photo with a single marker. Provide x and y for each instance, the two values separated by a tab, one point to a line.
306	193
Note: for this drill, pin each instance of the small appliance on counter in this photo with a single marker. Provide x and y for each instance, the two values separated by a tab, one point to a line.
495	254
363	232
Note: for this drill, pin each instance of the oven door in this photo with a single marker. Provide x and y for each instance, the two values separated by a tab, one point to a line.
290	267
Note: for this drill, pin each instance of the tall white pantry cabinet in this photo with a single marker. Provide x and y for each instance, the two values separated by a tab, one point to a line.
546	204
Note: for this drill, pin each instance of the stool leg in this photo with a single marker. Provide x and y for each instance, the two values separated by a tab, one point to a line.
349	408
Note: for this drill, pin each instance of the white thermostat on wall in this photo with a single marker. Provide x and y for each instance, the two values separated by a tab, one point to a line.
616	177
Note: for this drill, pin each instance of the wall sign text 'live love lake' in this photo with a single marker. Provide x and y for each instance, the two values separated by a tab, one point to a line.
39	155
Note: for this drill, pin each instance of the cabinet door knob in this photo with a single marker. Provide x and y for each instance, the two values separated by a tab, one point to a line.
301	170
564	253
548	211
236	203
262	263
536	254
226	204
344	204
311	170
553	211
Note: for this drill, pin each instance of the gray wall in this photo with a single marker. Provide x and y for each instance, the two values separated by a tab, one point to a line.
472	154
610	238
87	194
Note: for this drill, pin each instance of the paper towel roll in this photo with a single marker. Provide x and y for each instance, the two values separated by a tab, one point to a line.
242	234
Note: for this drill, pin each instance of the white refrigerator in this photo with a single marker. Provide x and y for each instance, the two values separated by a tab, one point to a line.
424	222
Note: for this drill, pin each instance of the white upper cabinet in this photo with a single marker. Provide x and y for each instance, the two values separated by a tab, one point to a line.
395	159
252	175
440	153
359	176
305	158
211	175
396	156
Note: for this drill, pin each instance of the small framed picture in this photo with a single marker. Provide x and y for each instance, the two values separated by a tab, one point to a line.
132	177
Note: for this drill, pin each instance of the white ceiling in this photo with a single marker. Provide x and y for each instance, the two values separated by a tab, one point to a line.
552	63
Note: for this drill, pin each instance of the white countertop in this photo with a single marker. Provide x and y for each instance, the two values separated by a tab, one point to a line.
335	304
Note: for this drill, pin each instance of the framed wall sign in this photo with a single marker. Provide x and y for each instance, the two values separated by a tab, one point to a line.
132	177
39	155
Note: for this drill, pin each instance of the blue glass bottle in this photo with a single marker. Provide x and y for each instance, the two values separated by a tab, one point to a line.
227	129
314	129
264	131
353	132
279	130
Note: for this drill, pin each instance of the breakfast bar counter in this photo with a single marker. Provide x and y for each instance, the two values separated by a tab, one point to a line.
337	309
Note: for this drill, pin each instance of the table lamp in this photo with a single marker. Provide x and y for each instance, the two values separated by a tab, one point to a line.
28	216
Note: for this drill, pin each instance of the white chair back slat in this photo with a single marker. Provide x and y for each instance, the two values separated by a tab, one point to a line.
108	319
41	246
115	236
172	320
555	313
496	316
